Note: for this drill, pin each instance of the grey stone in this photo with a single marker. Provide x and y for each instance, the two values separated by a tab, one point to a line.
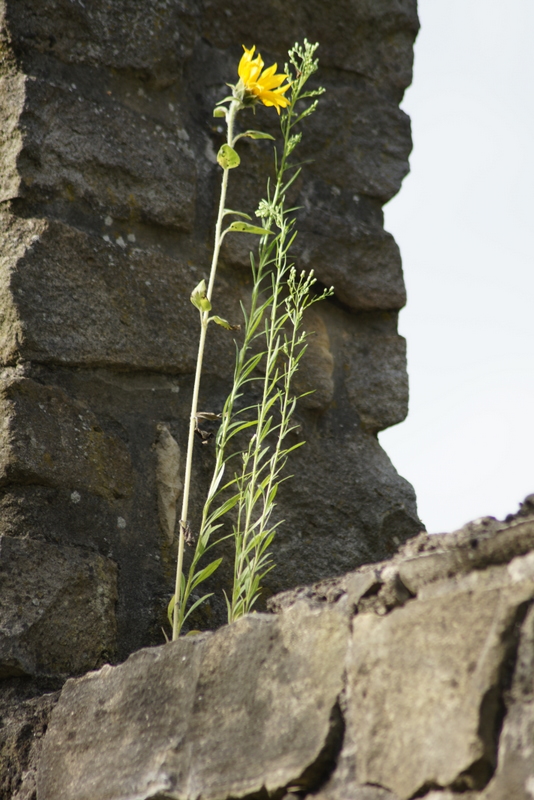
345	790
117	37
24	713
134	169
378	392
75	299
446	795
514	776
475	552
340	464
47	438
169	479
57	609
424	683
249	708
421	561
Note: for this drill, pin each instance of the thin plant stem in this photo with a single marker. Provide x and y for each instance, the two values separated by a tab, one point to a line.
204	318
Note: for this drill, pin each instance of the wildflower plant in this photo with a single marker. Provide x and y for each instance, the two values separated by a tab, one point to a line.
246	480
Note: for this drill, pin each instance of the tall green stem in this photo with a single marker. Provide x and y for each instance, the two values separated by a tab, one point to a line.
204	318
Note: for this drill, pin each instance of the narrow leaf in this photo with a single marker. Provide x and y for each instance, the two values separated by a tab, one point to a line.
170	608
237	213
215	482
201	576
244	227
198	602
219	512
258	135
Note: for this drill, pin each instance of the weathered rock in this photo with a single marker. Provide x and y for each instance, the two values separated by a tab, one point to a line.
25	708
421	561
57	609
344	790
395	705
49	439
514	776
424	683
169	480
475	552
75	299
249	708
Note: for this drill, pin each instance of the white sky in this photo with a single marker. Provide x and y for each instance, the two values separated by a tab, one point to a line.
463	221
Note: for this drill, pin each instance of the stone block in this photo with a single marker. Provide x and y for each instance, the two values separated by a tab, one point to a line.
137	169
514	776
376	379
459	554
12	88
48	438
376	41
74	299
57	609
249	708
341	467
25	708
424	682
151	44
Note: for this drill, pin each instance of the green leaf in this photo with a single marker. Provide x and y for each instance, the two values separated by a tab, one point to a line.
201	576
225	324
227	157
198	297
170	608
219	112
237	213
222	510
258	135
198	602
244	227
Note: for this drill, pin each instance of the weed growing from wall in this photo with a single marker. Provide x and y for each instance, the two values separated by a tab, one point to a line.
247	480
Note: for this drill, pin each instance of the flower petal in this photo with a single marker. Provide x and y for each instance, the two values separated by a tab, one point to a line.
266	85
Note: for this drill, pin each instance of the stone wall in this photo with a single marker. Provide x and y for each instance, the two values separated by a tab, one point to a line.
109	189
409	678
108	193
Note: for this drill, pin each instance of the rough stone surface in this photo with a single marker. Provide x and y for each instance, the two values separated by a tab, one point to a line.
422	695
249	708
419	562
25	708
334	698
514	776
108	189
50	598
48	439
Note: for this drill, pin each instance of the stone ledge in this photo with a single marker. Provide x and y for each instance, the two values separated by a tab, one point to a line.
249	708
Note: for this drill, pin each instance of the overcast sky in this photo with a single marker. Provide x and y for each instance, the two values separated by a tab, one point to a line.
463	221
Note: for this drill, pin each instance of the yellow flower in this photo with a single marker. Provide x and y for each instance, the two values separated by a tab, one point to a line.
258	85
